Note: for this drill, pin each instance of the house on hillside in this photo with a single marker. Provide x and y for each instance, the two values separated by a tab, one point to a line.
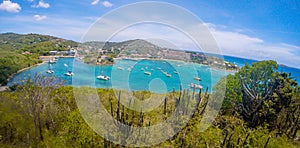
53	52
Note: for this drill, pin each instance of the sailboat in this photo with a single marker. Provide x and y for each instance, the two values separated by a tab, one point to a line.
103	77
68	73
50	71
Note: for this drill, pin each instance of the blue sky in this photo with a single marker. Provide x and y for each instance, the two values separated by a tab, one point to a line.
251	29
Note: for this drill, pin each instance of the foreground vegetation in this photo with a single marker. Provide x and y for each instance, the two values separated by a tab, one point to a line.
261	109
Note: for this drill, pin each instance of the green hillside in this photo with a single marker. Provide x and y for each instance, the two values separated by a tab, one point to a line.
18	51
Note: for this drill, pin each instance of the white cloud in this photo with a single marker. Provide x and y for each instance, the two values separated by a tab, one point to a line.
95	2
107	4
9	6
41	4
246	46
39	17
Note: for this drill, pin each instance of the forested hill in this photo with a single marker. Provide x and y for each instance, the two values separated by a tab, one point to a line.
33	43
18	51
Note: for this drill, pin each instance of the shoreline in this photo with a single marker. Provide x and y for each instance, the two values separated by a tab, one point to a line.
23	69
5	87
178	61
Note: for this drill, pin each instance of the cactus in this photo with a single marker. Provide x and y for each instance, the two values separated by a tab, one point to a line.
245	141
238	142
165	106
267	142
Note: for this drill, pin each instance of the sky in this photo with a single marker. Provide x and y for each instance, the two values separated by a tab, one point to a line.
249	29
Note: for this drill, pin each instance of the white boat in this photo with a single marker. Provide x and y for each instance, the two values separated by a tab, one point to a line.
52	61
120	68
147	73
69	73
102	77
168	75
50	71
142	69
197	78
175	72
197	86
158	68
129	69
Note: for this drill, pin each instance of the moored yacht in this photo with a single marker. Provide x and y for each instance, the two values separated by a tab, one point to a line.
196	86
103	77
168	75
147	73
69	73
197	78
50	71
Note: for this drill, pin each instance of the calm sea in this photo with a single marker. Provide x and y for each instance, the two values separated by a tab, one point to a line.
130	75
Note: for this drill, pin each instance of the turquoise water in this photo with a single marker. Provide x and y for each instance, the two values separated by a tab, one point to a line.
121	78
85	75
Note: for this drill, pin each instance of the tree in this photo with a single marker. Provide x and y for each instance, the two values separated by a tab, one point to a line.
35	95
259	92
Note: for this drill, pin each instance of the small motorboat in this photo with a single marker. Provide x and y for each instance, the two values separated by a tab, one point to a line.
147	73
175	72
102	77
